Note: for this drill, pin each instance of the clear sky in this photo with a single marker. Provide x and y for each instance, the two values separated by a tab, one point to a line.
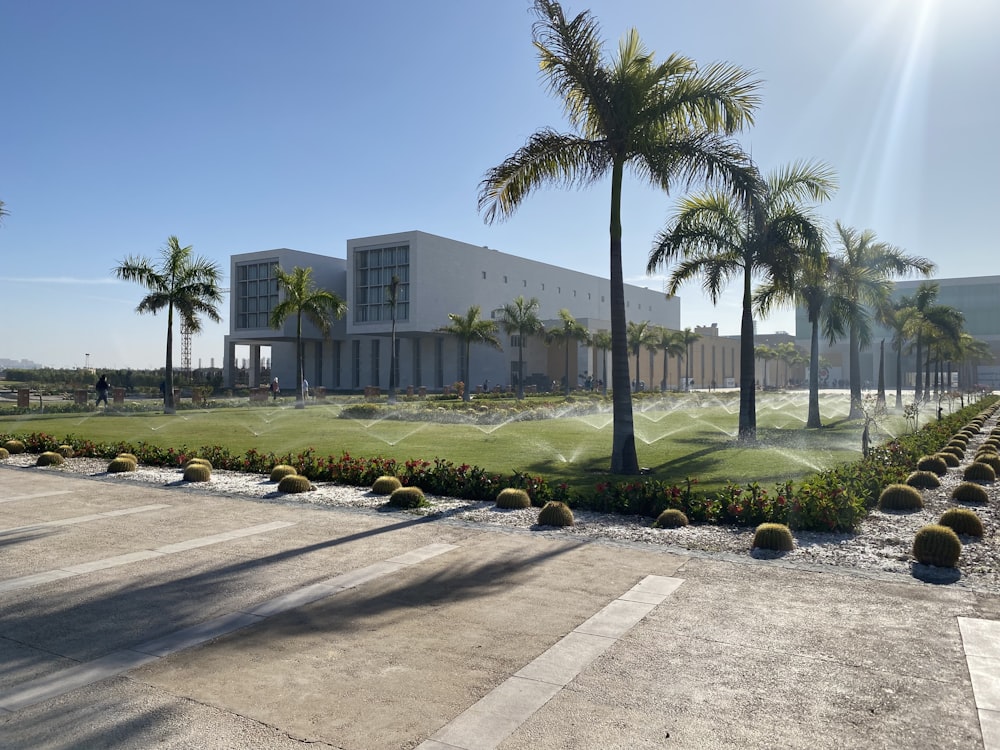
242	125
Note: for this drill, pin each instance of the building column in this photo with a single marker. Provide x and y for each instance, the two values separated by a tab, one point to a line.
253	374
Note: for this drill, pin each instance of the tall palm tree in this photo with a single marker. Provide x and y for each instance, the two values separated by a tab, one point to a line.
520	318
971	352
672	346
470	329
564	334
901	321
299	296
392	298
785	353
767	235
943	329
861	285
638	335
810	289
687	339
764	353
181	282
669	122
924	298
602	342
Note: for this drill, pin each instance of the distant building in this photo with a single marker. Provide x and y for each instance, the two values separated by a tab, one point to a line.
437	276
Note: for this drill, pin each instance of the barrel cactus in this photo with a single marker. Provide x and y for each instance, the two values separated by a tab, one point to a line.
66	451
977	472
121	464
950	459
934	464
962	521
774	536
49	458
671	518
970	492
4	453
407	497
196	460
900	497
924	480
386	485
129	456
990	459
555	513
197	472
937	545
292	483
14	446
280	471
513	498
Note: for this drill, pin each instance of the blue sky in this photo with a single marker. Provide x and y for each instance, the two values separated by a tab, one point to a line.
249	125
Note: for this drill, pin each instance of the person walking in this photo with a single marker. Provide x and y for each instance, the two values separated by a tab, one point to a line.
275	390
102	386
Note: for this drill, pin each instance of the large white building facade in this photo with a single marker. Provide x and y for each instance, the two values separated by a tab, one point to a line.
437	276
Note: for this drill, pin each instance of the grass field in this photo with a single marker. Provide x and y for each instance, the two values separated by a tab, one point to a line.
677	436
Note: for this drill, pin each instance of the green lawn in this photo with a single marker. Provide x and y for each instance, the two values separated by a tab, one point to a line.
676	437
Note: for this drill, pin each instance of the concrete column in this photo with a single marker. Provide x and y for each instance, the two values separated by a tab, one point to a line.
254	373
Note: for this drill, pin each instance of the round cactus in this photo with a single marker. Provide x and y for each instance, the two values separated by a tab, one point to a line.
196	460
774	536
513	498
14	446
66	451
990	459
977	472
950	459
4	453
129	456
120	464
671	518
970	492
962	521
386	485
407	497
280	471
960	440
937	545
197	472
924	480
295	483
900	497
935	464
555	513
49	458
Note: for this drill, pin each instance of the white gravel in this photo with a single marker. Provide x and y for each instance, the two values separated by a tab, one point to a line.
881	546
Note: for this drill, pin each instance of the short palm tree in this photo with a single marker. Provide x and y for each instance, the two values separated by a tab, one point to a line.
470	329
672	346
520	318
861	283
181	282
900	318
299	296
602	342
639	335
668	121
765	354
687	339
568	331
767	236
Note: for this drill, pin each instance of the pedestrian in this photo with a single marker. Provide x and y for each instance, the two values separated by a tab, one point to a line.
305	389
275	390
102	386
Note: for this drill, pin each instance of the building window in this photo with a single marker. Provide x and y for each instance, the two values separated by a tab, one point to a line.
375	362
558	290
355	364
525	282
543	286
602	298
504	279
515	341
484	274
256	293
373	272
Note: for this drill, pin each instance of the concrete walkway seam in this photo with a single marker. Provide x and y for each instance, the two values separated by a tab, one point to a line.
492	719
66	680
84	519
36	496
981	643
70	571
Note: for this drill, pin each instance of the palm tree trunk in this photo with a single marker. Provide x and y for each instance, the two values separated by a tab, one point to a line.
623	455
300	402
520	366
813	419
899	376
604	379
880	398
748	394
854	353
566	387
168	392
918	390
663	383
927	376
467	390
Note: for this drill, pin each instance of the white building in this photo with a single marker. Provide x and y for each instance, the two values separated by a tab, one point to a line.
437	276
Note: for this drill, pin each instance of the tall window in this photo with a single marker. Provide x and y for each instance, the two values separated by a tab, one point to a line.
375	362
256	293
373	270
355	364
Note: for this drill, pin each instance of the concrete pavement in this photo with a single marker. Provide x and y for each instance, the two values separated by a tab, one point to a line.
186	620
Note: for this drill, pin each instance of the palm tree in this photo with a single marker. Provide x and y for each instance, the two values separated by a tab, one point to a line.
181	282
672	346
766	354
971	352
785	353
470	329
687	338
3	212
392	297
638	335
570	330
943	329
300	296
767	235
862	282
901	317
602	342
520	318
669	122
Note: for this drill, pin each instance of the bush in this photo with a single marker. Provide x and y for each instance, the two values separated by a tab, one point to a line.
934	464
49	458
555	513
14	446
978	472
969	492
386	485
408	497
671	518
924	480
950	459
292	483
121	464
900	497
280	471
962	521
937	545
513	499
197	472
66	451
774	536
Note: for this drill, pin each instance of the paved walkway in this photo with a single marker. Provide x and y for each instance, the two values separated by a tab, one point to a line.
135	617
